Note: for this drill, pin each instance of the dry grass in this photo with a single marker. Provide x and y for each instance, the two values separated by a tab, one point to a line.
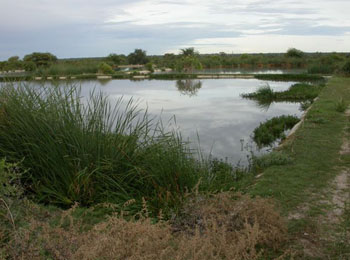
222	226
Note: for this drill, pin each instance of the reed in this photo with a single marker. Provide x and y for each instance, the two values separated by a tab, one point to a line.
88	151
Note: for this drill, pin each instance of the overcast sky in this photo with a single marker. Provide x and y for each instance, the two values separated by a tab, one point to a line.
90	28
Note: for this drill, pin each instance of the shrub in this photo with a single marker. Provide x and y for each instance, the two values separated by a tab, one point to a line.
40	59
294	53
104	68
346	68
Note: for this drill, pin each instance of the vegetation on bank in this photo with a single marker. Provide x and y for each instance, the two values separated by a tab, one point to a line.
63	151
273	129
86	151
302	186
300	92
163	182
297	92
289	77
187	61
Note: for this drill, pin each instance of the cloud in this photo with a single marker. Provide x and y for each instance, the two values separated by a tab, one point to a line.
76	28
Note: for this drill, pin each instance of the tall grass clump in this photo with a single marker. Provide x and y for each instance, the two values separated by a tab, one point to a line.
263	93
88	151
340	106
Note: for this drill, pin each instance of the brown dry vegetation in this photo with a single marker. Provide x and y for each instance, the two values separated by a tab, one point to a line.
222	226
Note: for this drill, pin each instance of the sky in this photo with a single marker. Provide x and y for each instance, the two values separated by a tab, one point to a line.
96	28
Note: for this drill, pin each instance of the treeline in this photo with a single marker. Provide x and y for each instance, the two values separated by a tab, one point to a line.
188	61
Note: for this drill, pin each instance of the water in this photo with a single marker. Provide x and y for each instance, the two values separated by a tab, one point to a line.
211	108
246	71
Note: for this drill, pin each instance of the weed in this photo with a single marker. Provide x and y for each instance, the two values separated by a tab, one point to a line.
265	161
340	106
222	226
318	120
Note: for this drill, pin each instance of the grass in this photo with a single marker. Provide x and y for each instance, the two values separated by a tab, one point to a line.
223	226
289	77
271	130
96	153
299	92
340	106
69	69
292	184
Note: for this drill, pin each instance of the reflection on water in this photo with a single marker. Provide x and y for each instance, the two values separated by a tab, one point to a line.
211	108
188	87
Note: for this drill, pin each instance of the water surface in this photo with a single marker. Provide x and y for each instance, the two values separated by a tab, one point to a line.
211	109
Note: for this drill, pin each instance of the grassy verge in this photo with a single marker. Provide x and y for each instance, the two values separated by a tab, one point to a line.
314	151
289	77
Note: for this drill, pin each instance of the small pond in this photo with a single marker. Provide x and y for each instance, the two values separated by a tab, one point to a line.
211	109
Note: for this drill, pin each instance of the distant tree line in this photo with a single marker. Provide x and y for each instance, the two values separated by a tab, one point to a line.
187	60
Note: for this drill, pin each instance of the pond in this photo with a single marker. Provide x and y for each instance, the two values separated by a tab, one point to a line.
209	112
211	109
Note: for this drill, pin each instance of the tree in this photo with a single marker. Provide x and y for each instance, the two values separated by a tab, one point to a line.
41	59
188	64
13	59
149	66
138	57
188	52
346	68
294	53
14	63
188	87
115	59
29	66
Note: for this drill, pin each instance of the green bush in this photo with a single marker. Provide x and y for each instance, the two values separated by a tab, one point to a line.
104	68
294	53
346	68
